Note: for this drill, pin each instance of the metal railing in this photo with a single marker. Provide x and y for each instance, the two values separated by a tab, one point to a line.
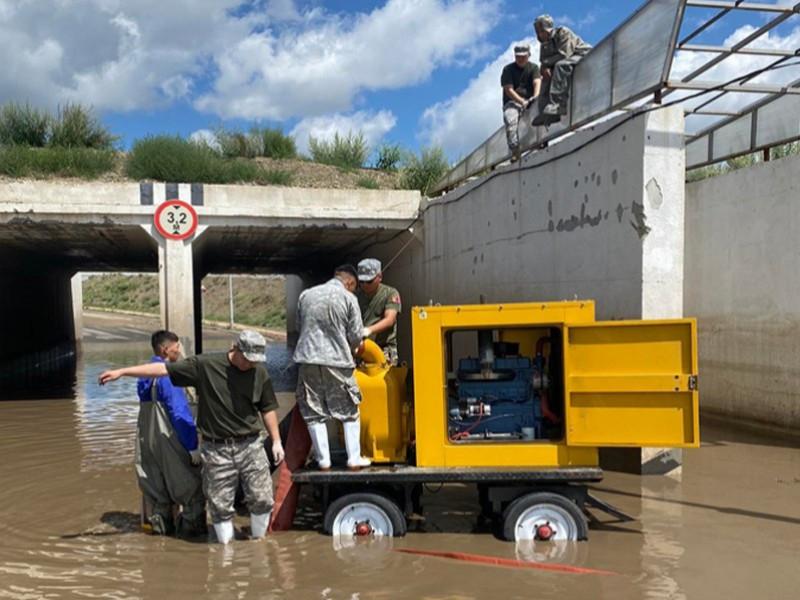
635	61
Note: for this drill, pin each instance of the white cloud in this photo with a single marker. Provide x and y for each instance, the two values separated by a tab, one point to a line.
261	60
463	121
111	54
207	137
373	126
323	65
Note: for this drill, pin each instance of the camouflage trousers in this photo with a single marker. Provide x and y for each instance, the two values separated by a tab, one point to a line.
225	465
390	352
555	90
325	393
512	114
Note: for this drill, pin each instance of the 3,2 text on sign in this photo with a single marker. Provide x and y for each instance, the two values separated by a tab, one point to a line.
176	220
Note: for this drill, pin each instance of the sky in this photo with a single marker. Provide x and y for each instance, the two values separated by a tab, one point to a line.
410	72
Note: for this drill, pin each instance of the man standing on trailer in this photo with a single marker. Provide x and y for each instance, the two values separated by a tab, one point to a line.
236	403
330	333
560	50
380	305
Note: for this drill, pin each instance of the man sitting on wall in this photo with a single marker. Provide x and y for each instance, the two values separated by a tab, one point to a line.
520	81
560	50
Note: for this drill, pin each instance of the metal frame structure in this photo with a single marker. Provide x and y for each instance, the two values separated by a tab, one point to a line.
635	62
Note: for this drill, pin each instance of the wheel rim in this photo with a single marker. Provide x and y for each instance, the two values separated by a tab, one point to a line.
362	519
543	517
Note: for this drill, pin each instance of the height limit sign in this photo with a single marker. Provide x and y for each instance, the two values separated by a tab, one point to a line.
176	220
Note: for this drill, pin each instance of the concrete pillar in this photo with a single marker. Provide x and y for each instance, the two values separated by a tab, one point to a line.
176	289
76	284
176	286
293	286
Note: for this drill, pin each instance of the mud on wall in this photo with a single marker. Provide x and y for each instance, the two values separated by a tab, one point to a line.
598	216
743	285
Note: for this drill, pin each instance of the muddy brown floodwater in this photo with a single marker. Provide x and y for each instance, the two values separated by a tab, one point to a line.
69	522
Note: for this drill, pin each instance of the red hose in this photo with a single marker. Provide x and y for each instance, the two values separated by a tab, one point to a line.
298	444
506	562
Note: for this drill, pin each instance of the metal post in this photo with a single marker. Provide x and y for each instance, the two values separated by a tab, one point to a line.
230	301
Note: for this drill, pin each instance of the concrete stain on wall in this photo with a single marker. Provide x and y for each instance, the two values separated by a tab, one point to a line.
639	221
655	196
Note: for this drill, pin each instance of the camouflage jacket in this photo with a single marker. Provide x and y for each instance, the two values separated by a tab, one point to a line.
564	43
330	326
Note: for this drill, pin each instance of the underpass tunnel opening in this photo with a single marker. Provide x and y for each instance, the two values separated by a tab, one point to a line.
39	295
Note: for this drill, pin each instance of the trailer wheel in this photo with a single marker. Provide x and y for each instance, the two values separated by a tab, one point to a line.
544	516
364	515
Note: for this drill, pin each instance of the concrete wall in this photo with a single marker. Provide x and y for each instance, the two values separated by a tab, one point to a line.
743	285
597	216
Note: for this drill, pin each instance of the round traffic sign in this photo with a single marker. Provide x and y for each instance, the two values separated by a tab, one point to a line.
176	219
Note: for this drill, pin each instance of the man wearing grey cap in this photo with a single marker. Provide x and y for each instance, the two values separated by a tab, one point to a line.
330	333
380	305
235	403
560	50
520	81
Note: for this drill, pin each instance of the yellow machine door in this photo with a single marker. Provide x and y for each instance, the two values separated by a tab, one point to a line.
631	383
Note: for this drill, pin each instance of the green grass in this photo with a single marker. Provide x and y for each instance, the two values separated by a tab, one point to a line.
269	143
389	157
258	301
275	144
23	125
423	171
86	163
137	293
368	183
170	158
347	152
76	126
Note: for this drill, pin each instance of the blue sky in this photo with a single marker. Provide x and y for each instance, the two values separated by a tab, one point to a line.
398	70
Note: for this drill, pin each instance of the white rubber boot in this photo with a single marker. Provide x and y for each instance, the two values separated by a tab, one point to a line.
258	525
224	531
319	440
352	441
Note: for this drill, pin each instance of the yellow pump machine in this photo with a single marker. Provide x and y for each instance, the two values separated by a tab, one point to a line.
517	399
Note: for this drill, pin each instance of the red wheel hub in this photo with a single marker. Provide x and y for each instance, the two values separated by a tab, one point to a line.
363	528
544	532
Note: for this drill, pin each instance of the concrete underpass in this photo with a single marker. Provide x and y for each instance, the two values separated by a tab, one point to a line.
50	231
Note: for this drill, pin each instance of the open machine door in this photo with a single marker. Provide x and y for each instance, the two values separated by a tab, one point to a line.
631	383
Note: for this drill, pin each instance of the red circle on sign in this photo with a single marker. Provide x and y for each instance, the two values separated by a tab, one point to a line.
175	219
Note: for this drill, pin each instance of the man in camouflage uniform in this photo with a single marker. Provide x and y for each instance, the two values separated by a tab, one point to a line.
236	403
330	332
559	51
380	305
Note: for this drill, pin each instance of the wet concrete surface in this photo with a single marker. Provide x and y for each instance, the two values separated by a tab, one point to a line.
69	521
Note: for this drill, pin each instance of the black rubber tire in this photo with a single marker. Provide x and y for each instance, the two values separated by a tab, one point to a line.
385	504
523	503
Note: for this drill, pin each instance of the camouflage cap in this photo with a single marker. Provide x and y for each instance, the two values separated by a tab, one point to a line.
522	50
369	269
544	22
253	345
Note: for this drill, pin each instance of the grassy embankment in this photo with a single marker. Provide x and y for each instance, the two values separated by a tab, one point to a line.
258	301
74	143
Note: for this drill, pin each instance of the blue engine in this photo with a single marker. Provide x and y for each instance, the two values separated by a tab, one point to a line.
501	402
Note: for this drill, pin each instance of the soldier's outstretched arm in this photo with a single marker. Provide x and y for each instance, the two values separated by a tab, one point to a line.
154	369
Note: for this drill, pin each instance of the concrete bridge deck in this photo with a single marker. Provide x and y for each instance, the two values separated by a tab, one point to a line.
50	230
